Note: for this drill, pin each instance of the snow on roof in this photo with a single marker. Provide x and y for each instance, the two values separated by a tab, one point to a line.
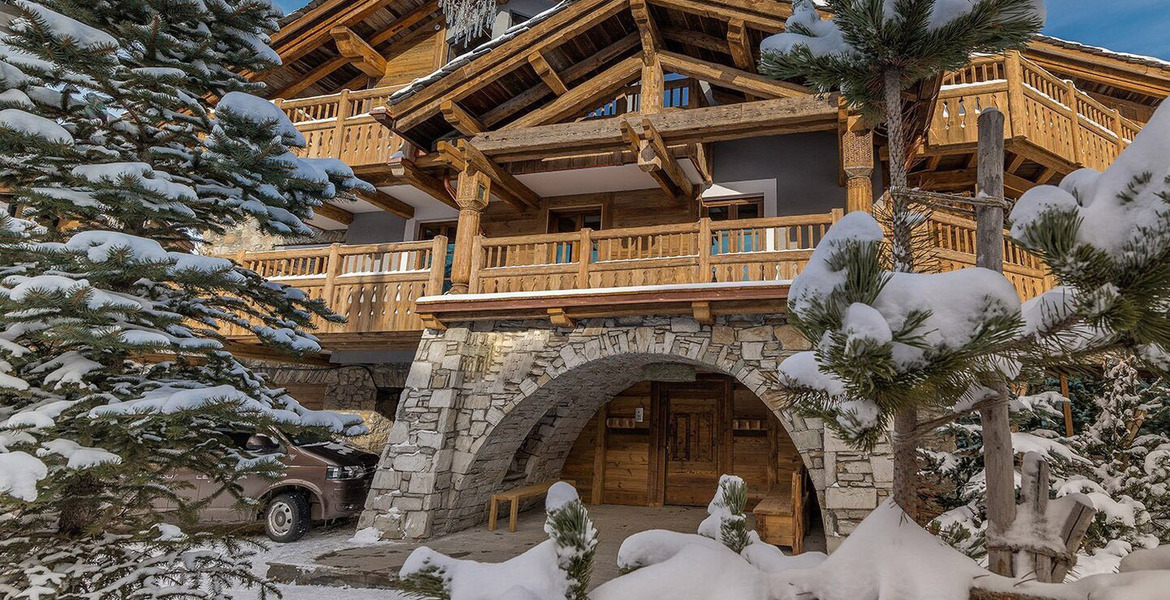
458	62
1151	61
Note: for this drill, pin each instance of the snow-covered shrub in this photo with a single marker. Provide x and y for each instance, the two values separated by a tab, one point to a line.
113	374
726	521
557	568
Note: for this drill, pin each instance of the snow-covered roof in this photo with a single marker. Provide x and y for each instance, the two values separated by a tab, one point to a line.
463	59
1137	59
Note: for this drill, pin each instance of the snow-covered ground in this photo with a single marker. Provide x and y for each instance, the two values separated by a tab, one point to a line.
302	552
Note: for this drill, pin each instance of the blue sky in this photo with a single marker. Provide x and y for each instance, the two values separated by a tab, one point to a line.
1137	26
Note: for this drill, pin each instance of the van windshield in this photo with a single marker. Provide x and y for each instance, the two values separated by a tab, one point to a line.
308	438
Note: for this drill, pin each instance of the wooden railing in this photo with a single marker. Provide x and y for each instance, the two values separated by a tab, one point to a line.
687	253
954	242
340	126
1043	110
374	285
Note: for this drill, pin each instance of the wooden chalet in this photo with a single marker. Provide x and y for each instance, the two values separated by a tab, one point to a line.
598	163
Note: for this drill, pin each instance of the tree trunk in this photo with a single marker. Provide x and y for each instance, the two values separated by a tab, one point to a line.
905	446
80	508
905	449
901	229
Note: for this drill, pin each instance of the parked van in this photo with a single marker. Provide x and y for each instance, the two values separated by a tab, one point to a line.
324	479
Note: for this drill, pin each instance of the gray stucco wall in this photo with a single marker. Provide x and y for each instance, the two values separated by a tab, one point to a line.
805	167
375	228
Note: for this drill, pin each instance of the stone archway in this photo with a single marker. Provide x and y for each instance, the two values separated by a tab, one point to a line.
473	397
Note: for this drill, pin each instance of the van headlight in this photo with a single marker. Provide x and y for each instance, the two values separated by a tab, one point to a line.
341	473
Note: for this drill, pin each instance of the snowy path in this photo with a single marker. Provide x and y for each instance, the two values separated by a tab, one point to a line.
317	542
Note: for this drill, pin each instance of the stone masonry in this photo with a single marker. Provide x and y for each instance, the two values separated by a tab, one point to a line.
475	394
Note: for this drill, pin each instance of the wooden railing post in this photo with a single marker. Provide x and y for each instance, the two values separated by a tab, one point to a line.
836	214
1071	91
476	264
584	257
704	274
1118	128
1017	106
332	270
438	265
339	128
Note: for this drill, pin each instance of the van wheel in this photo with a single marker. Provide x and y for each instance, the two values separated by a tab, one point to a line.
287	518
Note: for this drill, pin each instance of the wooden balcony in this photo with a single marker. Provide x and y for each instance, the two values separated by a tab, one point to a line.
390	292
340	126
1049	121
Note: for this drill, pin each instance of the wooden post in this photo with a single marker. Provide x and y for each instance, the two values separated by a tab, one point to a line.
438	265
1034	493
472	196
1017	109
704	249
857	157
653	86
339	128
998	456
1069	430
584	257
1075	130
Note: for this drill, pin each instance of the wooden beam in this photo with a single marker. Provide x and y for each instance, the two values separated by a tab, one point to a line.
647	29
460	119
547	74
361	54
505	185
573	73
697	125
388	203
964	179
740	45
406	170
319	34
702	313
769	17
334	213
308	79
697	39
585	94
397	26
655	158
575	18
730	77
558	318
1046	175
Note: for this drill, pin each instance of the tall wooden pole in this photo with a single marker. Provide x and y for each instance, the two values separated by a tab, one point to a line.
998	457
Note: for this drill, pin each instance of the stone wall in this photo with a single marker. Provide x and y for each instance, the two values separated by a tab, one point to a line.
475	393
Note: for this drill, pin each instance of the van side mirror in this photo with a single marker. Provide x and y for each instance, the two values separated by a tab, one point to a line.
261	443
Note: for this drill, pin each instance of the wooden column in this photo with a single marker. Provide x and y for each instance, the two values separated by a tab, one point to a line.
998	456
653	86
472	196
857	159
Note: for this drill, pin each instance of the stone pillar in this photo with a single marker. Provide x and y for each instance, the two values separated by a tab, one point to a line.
857	159
472	196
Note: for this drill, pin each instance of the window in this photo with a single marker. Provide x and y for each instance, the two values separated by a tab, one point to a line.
430	231
731	210
569	221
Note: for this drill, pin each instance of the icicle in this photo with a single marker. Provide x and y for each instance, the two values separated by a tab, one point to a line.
468	19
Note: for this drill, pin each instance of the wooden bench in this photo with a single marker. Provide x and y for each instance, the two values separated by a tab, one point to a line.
514	496
780	517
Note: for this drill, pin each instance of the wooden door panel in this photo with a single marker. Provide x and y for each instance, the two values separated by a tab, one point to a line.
692	446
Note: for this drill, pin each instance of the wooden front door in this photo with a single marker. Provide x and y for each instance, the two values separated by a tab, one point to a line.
693	443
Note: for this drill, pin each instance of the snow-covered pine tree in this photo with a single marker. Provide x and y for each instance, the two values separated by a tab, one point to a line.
726	521
870	51
1130	463
112	373
568	525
